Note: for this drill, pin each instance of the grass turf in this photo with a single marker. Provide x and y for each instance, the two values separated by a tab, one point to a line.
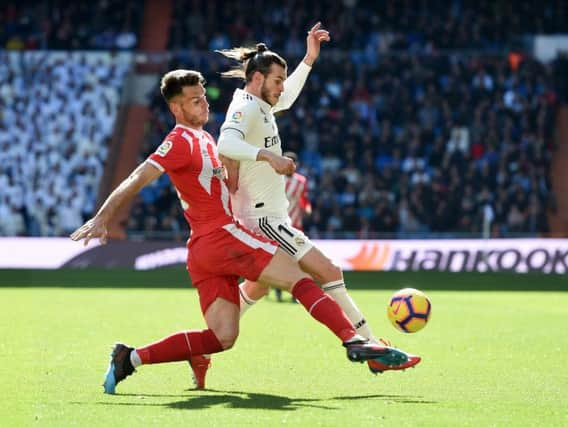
493	355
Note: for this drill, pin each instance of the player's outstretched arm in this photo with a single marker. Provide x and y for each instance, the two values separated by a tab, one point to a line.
294	84
143	175
316	36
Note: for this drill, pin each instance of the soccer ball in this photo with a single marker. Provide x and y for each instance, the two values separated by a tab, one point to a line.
409	310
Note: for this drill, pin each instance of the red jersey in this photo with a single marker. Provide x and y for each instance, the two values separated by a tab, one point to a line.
189	157
297	194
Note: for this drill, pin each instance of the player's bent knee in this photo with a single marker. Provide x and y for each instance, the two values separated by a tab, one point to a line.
282	272
255	290
227	339
328	272
335	271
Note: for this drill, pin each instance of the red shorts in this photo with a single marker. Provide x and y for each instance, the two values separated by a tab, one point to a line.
226	287
216	261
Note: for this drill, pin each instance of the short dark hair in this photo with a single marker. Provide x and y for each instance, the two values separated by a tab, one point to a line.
252	59
173	82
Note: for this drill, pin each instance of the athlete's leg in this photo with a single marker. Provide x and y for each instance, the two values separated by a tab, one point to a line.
330	277
222	318
283	272
324	272
250	292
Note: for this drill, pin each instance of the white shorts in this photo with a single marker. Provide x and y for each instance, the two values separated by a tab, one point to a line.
293	241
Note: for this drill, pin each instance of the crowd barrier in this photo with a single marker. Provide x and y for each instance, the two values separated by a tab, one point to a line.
548	256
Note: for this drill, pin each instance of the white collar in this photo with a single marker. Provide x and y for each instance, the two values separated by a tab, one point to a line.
263	104
199	131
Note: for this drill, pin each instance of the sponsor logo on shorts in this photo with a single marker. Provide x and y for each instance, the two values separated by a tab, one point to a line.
299	241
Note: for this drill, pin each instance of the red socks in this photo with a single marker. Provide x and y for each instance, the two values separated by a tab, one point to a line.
323	308
180	346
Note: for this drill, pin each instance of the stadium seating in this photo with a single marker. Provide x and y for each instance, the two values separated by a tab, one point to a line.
58	112
419	118
411	145
65	24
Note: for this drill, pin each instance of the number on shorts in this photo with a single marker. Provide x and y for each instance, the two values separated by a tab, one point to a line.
283	228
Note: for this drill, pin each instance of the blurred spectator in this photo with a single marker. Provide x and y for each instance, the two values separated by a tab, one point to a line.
422	117
66	24
364	28
426	149
57	115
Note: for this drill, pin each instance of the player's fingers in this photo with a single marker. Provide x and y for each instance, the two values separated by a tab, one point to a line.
77	234
315	28
104	238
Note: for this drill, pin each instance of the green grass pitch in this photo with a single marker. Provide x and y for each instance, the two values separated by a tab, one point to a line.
494	354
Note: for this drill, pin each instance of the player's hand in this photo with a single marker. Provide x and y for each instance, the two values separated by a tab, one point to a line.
282	165
231	173
315	37
91	229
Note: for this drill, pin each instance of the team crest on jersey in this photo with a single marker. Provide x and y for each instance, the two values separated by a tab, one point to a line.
299	241
164	148
219	172
237	117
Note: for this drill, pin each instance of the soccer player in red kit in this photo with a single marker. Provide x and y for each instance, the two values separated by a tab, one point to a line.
219	250
297	195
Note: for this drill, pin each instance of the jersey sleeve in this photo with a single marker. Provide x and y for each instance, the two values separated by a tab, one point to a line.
172	154
235	131
241	117
293	85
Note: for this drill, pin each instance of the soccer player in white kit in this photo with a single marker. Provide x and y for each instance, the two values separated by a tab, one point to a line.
258	187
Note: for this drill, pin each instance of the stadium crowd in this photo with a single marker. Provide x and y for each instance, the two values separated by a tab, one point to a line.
362	25
65	24
418	118
411	145
57	113
365	25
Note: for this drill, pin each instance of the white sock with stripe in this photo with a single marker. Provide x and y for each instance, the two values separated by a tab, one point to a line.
135	359
246	301
338	292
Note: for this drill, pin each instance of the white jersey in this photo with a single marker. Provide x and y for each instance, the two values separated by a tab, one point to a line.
261	191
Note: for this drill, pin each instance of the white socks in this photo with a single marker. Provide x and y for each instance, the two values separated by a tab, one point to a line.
246	301
135	359
338	292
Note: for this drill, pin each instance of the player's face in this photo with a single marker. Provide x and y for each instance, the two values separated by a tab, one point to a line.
193	106
273	85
